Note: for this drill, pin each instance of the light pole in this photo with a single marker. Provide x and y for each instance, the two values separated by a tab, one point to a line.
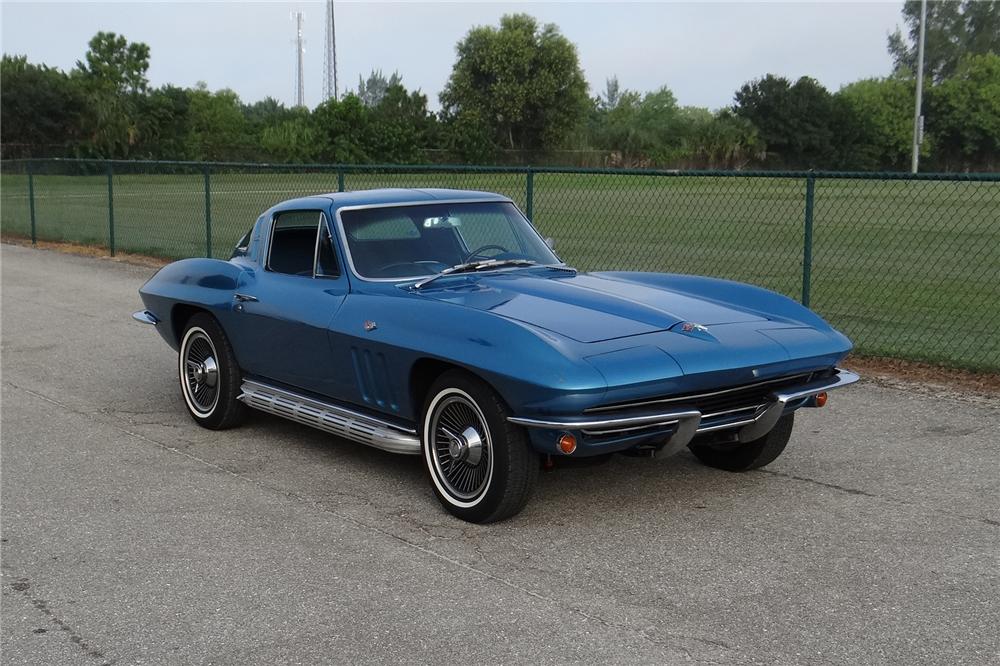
918	119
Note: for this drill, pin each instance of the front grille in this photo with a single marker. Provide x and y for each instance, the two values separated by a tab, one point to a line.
721	402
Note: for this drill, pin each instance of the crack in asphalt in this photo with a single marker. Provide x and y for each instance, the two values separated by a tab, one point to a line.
23	586
865	493
362	525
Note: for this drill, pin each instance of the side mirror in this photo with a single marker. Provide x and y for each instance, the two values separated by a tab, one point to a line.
551	242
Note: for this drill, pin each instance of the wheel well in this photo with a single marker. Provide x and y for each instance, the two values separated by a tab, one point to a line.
422	375
179	317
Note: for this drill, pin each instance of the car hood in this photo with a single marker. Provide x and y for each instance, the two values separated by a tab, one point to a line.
586	308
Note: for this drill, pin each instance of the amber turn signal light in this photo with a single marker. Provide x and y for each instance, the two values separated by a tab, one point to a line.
567	443
820	399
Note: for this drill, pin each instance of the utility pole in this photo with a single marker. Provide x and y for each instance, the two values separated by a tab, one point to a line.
300	80
918	119
330	89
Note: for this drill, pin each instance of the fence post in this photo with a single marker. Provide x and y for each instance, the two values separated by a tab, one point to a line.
31	203
807	242
208	210
529	194
340	179
111	208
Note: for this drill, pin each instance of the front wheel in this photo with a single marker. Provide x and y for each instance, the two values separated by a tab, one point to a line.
209	374
742	457
482	468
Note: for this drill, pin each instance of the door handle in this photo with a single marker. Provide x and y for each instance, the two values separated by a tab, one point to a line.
245	298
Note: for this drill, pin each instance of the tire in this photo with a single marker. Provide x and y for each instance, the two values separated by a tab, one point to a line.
209	375
749	455
482	468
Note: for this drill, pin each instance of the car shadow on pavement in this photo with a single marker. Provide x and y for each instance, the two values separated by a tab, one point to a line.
325	467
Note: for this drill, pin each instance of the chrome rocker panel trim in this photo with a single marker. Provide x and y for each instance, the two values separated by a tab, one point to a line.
145	317
688	421
329	418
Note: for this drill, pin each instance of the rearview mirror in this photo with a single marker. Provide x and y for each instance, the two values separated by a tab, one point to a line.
441	222
551	242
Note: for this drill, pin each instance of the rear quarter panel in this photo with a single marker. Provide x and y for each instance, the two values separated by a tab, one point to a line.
204	283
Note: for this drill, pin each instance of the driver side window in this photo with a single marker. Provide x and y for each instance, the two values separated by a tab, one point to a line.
301	245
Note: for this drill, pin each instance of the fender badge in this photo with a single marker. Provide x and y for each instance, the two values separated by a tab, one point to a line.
690	326
370	325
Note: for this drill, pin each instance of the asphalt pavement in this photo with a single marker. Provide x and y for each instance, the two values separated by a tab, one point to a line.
132	536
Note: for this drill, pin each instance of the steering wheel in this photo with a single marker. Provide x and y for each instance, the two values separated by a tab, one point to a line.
478	252
400	264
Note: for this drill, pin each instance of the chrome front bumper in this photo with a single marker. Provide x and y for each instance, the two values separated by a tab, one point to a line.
687	423
145	317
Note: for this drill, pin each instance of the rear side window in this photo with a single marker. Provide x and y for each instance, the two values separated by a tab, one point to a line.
301	245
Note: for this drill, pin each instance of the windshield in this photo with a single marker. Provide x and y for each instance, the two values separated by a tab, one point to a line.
417	240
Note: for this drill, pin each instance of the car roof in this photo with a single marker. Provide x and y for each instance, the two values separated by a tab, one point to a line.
387	196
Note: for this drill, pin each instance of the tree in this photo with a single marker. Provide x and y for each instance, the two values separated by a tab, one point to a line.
643	130
267	112
725	141
372	91
162	124
612	95
964	115
42	109
522	81
954	30
291	140
343	130
216	125
883	113
469	136
114	76
116	62
801	123
401	125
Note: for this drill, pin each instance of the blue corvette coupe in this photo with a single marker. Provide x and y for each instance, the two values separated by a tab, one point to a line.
439	323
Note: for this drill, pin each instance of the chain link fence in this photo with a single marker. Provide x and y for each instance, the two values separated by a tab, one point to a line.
907	266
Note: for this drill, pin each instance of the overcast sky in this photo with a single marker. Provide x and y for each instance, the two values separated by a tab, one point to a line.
702	50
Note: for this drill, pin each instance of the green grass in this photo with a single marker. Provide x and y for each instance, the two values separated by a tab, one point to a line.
908	269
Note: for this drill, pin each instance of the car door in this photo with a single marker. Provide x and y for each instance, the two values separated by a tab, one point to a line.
285	308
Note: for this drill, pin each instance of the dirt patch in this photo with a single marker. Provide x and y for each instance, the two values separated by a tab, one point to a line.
93	251
926	377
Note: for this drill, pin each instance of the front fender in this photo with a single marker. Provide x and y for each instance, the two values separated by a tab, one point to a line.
534	370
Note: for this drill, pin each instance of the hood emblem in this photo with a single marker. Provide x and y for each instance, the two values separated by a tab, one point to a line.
690	327
370	325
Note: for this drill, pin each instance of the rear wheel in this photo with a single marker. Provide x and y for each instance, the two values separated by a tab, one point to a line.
482	468
209	375
741	457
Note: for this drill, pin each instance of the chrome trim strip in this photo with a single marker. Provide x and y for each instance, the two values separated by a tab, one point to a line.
401	204
319	234
664	418
616	431
694	396
754	408
330	418
270	238
769	417
727	425
145	317
842	378
689	422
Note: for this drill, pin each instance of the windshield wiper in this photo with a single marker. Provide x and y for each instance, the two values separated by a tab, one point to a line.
473	266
